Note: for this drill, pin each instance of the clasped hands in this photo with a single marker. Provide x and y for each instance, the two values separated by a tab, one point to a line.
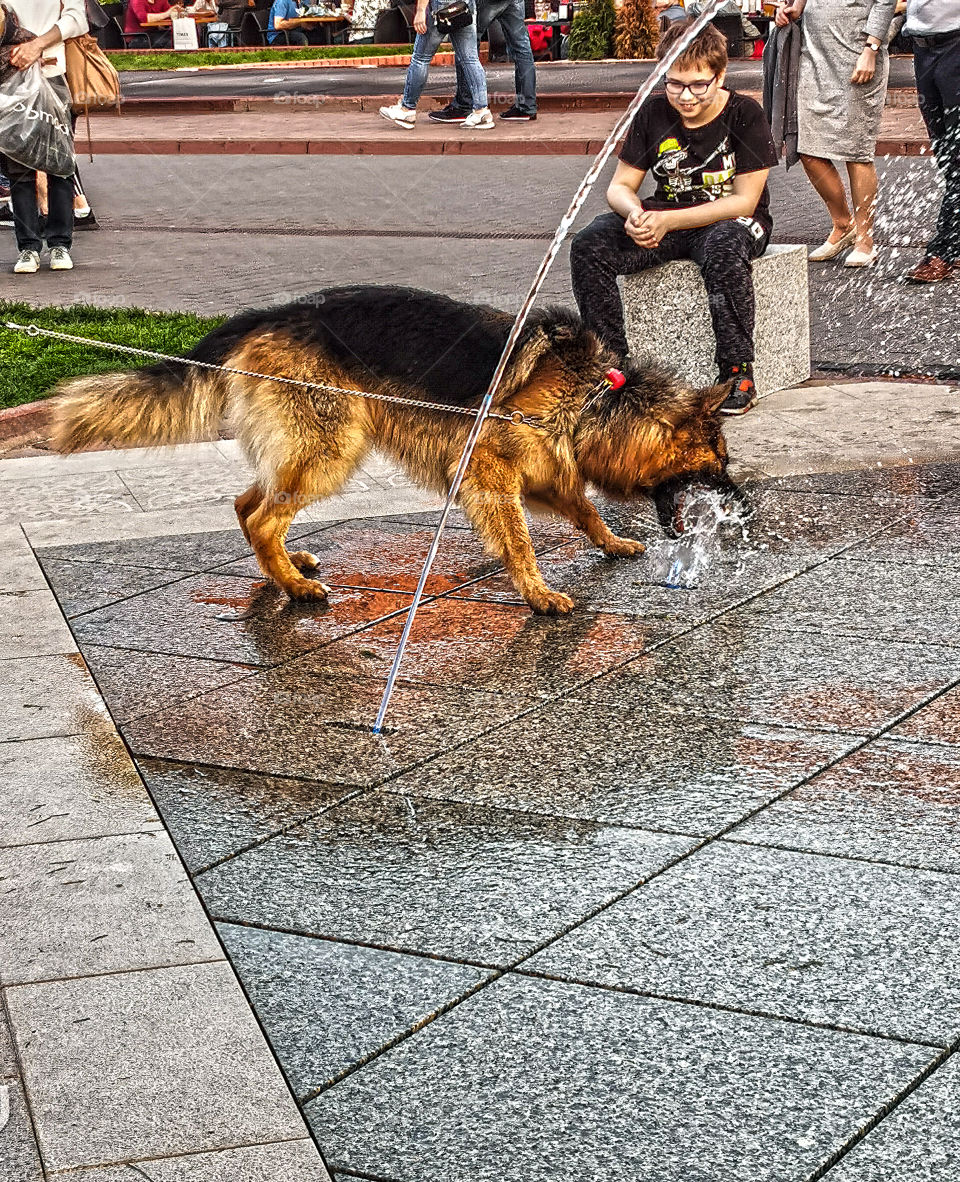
647	227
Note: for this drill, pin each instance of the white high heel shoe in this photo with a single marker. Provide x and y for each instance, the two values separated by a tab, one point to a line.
830	250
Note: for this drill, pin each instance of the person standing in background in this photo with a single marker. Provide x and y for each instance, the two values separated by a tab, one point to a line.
844	66
934	26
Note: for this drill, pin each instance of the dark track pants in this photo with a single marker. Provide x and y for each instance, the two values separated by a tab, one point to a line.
723	252
938	87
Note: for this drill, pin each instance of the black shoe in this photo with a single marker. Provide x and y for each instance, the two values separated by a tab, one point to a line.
448	114
518	116
744	392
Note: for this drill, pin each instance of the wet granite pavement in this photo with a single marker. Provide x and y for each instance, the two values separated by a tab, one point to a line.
666	891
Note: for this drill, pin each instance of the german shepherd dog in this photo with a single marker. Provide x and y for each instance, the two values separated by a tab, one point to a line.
304	443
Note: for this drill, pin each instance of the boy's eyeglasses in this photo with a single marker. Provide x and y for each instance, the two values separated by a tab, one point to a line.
698	89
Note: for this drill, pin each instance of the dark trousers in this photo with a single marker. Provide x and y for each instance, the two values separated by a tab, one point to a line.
723	253
510	15
938	87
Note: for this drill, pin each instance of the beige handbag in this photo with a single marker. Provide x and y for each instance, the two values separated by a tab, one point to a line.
92	80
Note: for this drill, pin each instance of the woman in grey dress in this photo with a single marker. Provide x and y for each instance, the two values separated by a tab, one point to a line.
844	67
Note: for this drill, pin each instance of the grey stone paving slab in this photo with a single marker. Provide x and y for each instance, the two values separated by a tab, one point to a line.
85	586
8	1059
285	1161
897	601
896	481
70	787
99	905
767	675
31	625
44	696
292	722
628	764
21	571
918	1142
73	495
818	939
422	876
231	619
19	1159
212	812
161	486
135	683
937	723
931	535
158	1063
326	1006
500	648
532	1079
891	801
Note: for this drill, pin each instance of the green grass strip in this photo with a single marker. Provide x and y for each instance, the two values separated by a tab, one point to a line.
173	60
31	366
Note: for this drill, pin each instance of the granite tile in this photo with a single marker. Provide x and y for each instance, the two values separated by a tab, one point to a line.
766	675
284	1161
421	876
929	535
20	570
629	765
326	1006
937	723
85	586
291	722
212	813
71	786
8	1058
45	696
818	939
135	683
31	625
499	648
68	495
19	1159
896	601
164	485
388	555
545	529
231	619
157	1063
891	801
100	905
902	480
918	1142
528	1077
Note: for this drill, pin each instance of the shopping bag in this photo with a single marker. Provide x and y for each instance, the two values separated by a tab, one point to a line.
35	123
185	33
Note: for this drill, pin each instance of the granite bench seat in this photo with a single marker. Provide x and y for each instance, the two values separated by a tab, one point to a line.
667	316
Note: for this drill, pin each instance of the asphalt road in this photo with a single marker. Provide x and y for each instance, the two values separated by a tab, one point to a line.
552	77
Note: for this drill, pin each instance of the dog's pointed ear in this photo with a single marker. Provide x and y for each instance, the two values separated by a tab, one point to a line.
713	397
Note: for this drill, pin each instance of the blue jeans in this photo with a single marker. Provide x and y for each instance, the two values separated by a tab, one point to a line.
464	43
510	14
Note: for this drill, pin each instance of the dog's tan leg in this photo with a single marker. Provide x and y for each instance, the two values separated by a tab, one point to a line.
496	512
268	526
584	515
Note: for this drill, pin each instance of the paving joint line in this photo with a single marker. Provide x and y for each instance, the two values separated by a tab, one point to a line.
143	968
136	1162
19	845
7	1019
790	849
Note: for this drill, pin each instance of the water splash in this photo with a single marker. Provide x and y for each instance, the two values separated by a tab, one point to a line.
713	521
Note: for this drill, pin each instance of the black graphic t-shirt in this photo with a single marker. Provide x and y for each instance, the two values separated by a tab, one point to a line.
693	165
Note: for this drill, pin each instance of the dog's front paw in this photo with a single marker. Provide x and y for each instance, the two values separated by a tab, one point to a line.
623	548
307	589
549	603
304	560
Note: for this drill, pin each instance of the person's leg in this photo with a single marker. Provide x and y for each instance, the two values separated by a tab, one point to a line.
945	138
297	37
863	190
464	41
823	175
598	255
23	200
59	228
424	47
724	252
462	100
515	32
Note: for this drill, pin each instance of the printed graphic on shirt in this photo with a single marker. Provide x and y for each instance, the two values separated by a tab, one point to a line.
681	177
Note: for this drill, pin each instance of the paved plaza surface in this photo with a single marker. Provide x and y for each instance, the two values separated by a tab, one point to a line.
665	890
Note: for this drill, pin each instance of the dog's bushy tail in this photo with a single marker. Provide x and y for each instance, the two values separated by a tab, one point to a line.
166	403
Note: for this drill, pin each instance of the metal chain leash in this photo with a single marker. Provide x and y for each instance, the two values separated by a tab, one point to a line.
33	330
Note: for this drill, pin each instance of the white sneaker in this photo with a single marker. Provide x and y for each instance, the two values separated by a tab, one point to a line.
400	115
60	259
861	258
830	250
479	120
27	264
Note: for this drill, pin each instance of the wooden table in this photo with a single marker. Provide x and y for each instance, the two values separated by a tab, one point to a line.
333	18
202	20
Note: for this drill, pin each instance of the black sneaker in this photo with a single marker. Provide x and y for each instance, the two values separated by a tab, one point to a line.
448	114
515	115
744	392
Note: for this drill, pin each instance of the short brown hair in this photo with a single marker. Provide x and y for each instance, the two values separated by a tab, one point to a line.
708	48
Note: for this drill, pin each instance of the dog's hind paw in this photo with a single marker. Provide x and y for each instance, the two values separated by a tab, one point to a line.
304	560
623	547
550	603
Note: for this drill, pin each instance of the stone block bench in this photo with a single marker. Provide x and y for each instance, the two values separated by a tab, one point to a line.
667	316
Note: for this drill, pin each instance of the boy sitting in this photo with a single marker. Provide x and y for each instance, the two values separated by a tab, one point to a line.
710	152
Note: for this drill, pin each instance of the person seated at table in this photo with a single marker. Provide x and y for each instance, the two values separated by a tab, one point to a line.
283	23
142	16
